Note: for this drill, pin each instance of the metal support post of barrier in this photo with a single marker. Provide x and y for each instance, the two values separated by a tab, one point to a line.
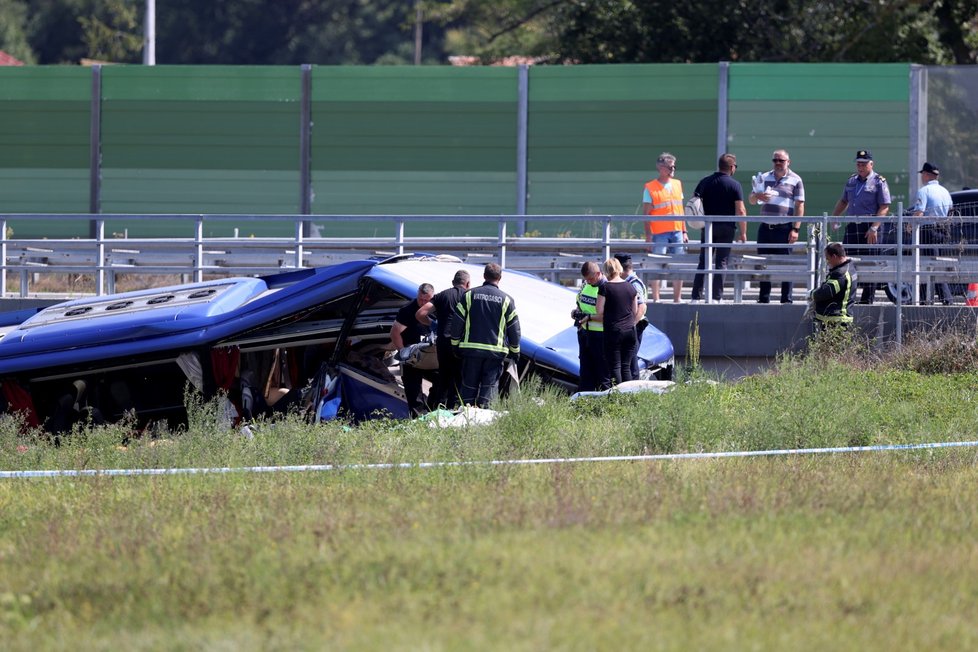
522	113
707	246
305	141
606	239
300	229
502	243
811	246
915	255
3	257
899	277
399	237
199	250
821	242
100	257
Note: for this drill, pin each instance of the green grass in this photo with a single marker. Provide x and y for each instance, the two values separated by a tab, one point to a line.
868	551
795	406
871	552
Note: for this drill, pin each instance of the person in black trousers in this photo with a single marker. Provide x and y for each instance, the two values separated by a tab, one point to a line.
442	306
406	331
721	195
618	312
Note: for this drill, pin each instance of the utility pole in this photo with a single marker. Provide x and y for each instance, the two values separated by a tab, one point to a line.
149	34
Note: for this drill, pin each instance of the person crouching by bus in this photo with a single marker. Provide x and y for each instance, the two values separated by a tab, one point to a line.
832	300
405	331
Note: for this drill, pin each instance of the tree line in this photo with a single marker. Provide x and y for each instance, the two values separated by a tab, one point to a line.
289	32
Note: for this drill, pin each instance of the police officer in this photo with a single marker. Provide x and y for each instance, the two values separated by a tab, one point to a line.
866	193
485	331
590	331
933	201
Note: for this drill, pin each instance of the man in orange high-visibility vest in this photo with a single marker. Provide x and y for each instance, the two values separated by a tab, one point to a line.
664	196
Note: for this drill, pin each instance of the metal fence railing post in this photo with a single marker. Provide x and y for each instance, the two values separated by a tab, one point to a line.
899	277
707	246
606	239
300	229
502	242
3	257
522	111
915	255
100	257
821	242
95	149
305	143
199	250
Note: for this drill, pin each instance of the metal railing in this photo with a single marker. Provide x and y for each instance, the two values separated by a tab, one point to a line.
556	258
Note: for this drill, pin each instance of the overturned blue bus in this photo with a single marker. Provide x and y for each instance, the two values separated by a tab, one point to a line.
262	341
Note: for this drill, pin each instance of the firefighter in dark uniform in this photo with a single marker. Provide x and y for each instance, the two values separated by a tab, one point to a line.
485	331
832	300
590	330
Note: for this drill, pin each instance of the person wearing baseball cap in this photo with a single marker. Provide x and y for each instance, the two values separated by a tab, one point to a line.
866	193
932	204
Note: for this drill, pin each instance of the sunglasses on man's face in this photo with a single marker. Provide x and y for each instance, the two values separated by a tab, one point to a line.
779	160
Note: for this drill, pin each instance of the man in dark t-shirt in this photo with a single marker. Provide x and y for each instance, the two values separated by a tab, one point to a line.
721	195
405	331
442	306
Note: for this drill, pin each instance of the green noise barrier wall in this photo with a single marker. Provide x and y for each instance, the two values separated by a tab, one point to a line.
581	140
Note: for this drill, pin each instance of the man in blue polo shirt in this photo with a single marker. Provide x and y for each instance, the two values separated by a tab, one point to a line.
933	201
866	194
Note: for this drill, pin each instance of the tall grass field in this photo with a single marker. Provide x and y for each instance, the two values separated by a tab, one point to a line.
814	552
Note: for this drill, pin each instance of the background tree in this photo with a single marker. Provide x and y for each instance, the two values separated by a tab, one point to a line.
13	35
493	30
288	32
783	30
283	32
113	31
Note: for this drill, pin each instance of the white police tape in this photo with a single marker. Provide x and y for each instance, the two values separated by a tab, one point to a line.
75	473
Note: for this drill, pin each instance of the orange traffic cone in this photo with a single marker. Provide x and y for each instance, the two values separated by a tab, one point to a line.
972	297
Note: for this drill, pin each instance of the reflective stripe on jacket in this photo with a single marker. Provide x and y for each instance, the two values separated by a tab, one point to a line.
587	301
486	323
833	299
666	200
